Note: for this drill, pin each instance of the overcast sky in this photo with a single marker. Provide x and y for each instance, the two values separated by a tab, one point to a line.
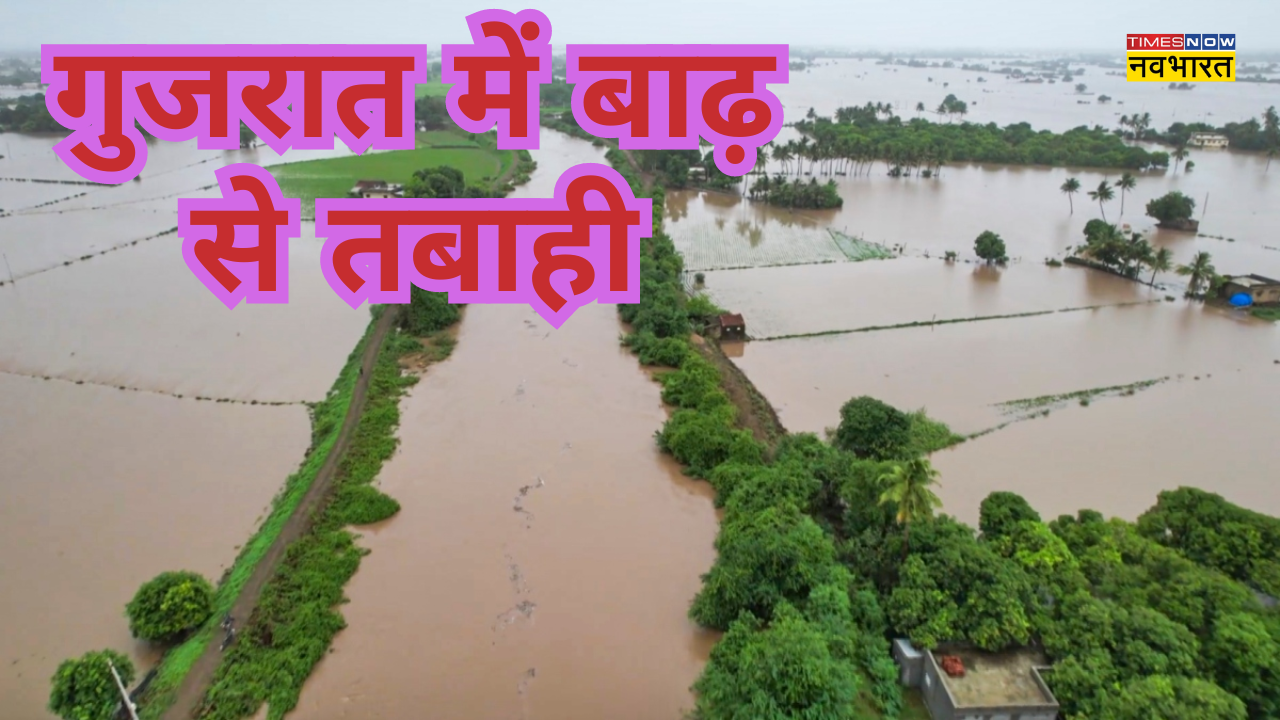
873	24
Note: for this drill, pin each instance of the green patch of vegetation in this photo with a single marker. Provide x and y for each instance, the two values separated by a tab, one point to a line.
1037	404
171	604
927	435
296	618
334	177
857	249
1266	313
431	89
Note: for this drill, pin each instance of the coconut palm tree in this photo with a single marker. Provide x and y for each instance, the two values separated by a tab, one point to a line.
919	108
1161	261
1105	193
909	488
1271	131
1124	184
1179	154
1198	272
1071	187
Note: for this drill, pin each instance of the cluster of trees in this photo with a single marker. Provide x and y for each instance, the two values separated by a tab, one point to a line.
1129	254
28	114
828	549
431	113
1206	528
857	137
164	610
796	193
428	312
1252	134
443	182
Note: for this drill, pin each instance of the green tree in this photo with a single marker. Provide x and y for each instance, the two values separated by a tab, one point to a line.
872	429
1126	183
1103	194
990	247
1199	271
1161	261
764	558
83	688
783	672
1179	154
170	605
1245	661
909	489
1159	697
1271	134
921	609
1070	187
247	136
1171	208
1000	513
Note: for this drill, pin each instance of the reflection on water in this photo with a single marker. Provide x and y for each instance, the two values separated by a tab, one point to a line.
546	554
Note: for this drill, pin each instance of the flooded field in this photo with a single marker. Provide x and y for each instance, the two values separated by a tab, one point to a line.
808	299
839	83
546	553
104	488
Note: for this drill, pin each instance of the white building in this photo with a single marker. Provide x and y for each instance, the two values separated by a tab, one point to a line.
1208	140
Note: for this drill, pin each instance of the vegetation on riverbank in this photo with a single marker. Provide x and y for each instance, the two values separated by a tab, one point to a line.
28	114
297	616
828	550
326	421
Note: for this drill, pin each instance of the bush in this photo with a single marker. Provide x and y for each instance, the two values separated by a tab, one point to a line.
872	429
784	671
702	440
1172	207
653	350
695	379
170	605
766	557
702	310
83	689
427	312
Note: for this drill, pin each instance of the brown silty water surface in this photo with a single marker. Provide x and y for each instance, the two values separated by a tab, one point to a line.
546	553
104	488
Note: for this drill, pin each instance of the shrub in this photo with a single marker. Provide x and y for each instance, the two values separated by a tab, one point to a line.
83	688
169	605
1001	512
695	379
873	429
700	278
427	312
767	557
653	350
702	310
702	440
1171	207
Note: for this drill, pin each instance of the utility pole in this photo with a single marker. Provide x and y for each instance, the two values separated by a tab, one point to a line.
124	695
1205	209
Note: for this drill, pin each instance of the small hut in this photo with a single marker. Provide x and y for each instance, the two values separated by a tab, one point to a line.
731	327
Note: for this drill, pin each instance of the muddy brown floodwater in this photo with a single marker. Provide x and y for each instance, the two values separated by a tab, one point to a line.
102	488
546	553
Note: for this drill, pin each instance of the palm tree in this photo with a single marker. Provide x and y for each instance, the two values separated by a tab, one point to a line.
1103	194
909	488
1071	187
1160	262
1199	271
1179	154
1271	131
1125	183
919	108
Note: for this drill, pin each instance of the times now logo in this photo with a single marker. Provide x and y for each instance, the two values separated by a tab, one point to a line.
1189	41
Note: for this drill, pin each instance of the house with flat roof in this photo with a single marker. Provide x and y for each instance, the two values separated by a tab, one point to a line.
1208	140
977	685
1261	290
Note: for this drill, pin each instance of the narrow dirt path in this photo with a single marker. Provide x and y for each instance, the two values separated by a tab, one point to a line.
198	679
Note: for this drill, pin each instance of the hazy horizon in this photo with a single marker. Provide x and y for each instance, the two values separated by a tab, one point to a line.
976	26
